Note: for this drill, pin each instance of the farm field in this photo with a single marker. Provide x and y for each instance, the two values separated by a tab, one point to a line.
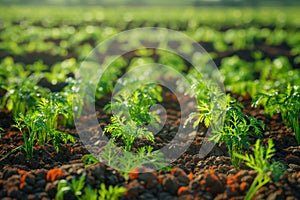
231	127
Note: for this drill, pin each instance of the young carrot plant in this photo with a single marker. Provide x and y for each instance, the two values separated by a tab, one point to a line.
49	111
138	104
214	107
89	194
41	124
132	114
211	102
236	131
22	97
144	157
286	102
127	130
89	160
11	72
126	161
103	193
32	127
72	96
84	192
112	192
260	162
52	107
75	186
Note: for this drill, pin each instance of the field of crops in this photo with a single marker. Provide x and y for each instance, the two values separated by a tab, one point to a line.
229	130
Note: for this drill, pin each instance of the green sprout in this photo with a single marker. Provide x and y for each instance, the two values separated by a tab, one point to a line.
41	124
127	130
29	140
237	126
261	164
22	97
112	193
138	103
82	192
126	161
132	114
74	186
286	102
236	130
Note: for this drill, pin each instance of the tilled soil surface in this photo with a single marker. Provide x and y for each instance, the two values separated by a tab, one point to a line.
191	177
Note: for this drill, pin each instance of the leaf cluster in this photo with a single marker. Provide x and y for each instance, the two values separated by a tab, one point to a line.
131	114
236	130
41	124
127	130
260	162
287	102
22	97
126	161
136	105
82	192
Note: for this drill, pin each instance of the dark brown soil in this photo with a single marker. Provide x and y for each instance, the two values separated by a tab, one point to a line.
190	178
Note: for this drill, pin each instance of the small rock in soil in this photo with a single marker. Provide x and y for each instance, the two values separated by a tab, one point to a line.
14	192
291	159
145	177
3	193
248	179
134	189
232	171
41	195
170	184
147	196
183	180
215	185
276	195
9	172
40	185
31	197
34	164
14	180
185	197
291	198
30	179
7	198
51	189
97	172
40	173
207	196
27	188
165	196
294	167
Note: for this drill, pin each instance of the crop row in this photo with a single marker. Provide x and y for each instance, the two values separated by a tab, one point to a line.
126	18
41	96
38	112
68	40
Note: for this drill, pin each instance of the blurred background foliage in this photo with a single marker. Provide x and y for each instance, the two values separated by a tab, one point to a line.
253	3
